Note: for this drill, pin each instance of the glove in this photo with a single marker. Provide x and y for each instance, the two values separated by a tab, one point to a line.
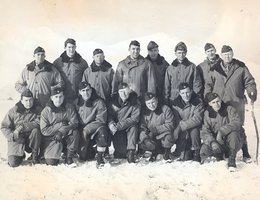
17	131
112	128
58	137
219	138
176	133
216	148
252	96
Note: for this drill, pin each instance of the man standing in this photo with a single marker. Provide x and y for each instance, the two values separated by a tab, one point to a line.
93	130
160	65
21	127
230	79
205	67
59	124
157	125
188	109
100	75
71	66
220	131
123	119
39	76
181	70
136	71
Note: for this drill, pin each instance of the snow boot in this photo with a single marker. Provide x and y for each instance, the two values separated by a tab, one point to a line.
35	157
196	155
232	161
246	156
131	156
166	155
100	159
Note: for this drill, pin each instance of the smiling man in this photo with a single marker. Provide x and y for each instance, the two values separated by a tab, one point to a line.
136	71
221	131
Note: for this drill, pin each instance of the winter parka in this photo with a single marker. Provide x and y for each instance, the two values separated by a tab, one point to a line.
188	115
71	70
29	119
138	74
39	80
177	73
225	120
100	78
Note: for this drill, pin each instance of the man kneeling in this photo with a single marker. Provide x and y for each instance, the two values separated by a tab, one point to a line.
156	127
93	130
22	130
59	127
220	131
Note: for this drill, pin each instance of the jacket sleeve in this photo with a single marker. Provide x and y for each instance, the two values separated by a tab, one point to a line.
195	120
206	133
168	125
234	121
47	128
151	82
130	121
85	75
29	126
209	84
197	83
21	83
72	119
118	77
57	79
7	125
249	81
167	85
101	119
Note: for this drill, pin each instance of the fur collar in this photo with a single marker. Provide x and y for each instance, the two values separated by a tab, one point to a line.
54	109
46	65
222	112
105	66
136	62
66	59
132	100
181	104
157	111
36	108
185	62
159	60
88	103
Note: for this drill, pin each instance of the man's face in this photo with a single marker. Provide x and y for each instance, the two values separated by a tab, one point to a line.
27	102
227	57
153	53
134	51
57	99
152	103
215	104
39	57
180	55
86	93
186	94
211	53
99	58
124	93
70	49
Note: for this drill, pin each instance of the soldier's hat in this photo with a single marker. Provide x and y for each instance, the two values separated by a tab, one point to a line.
56	90
208	46
97	51
183	86
83	85
211	96
149	95
152	45
181	46
38	50
26	93
226	49
122	85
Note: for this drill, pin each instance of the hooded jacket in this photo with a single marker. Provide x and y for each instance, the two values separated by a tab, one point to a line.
71	70
100	78
39	79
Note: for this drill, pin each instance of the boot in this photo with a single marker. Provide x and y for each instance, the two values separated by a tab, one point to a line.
196	155
153	156
166	155
100	159
246	156
232	161
35	157
68	159
131	156
218	156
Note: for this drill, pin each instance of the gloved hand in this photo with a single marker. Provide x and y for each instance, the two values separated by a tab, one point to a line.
176	133
112	127
17	132
220	138
252	96
58	137
216	147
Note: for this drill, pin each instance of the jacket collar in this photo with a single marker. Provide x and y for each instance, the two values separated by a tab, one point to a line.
185	62
157	111
54	109
136	62
36	108
104	66
181	104
159	60
132	100
66	59
222	112
90	101
47	66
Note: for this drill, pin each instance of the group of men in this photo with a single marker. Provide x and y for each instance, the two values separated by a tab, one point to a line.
145	105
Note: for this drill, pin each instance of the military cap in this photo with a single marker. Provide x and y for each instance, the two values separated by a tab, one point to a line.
208	46
122	85
210	96
83	85
27	93
97	51
226	49
38	50
152	45
55	91
183	86
149	95
181	46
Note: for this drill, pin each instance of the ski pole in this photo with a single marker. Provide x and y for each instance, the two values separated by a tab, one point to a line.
256	130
